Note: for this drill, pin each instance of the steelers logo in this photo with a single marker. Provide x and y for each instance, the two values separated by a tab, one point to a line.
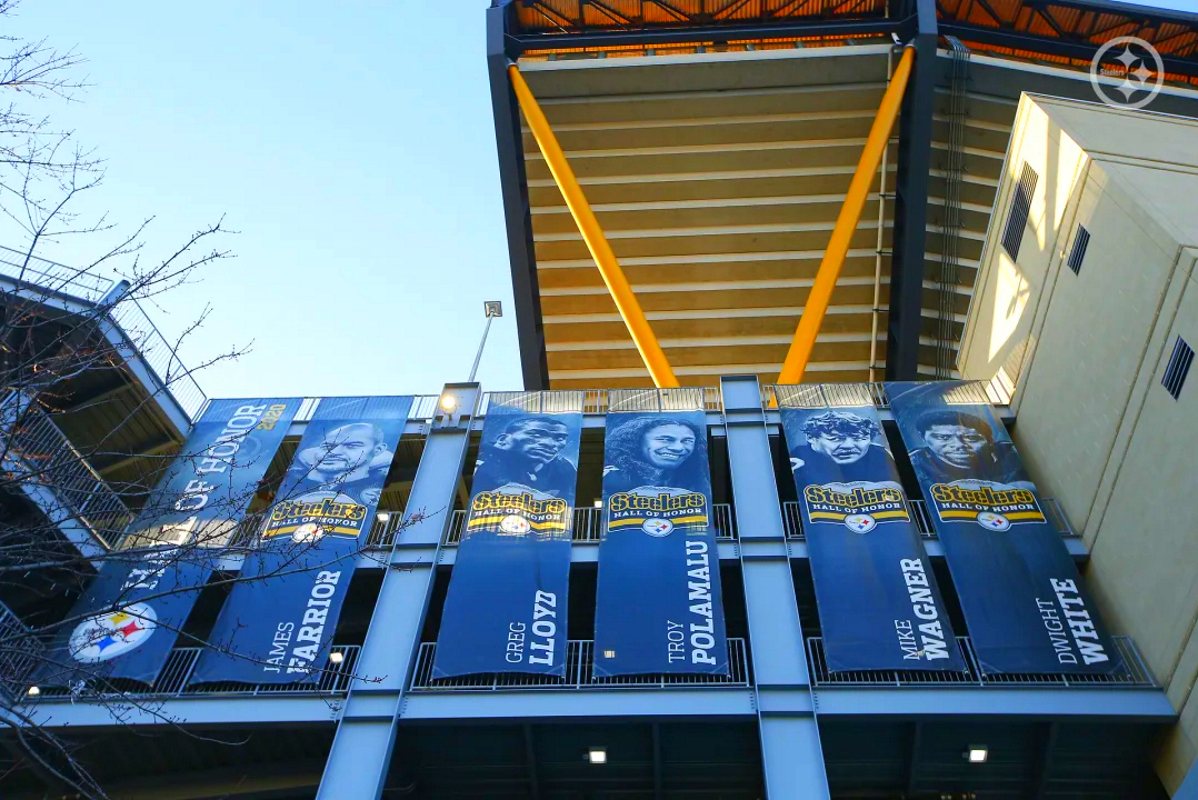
106	636
514	524
658	527
992	521
308	532
860	523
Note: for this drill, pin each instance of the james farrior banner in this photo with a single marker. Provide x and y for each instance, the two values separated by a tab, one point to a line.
658	605
506	609
879	606
278	621
1024	603
138	603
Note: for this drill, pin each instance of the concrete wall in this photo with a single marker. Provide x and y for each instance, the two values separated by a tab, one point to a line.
1094	424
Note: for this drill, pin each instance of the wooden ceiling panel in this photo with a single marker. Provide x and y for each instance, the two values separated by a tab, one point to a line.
732	185
665	159
780	322
700	241
812	210
691	356
859	264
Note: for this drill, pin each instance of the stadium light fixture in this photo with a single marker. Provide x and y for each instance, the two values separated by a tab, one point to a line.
383	516
34	691
977	754
491	309
599	503
336	657
448	402
597	755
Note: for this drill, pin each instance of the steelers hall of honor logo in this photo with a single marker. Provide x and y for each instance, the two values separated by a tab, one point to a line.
308	532
107	636
860	523
515	524
992	521
658	527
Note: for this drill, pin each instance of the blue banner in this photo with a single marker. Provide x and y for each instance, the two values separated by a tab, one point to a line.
1023	599
278	622
506	609
879	606
133	611
658	606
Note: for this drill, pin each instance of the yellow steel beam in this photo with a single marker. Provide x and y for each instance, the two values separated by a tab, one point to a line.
846	224
592	234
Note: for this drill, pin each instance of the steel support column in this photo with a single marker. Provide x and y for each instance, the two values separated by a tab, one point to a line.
361	754
1189	787
911	201
791	754
516	210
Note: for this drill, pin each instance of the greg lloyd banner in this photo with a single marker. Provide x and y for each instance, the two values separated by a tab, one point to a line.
658	605
279	619
138	603
506	608
1023	600
879	606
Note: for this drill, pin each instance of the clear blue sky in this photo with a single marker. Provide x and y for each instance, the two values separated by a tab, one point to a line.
352	146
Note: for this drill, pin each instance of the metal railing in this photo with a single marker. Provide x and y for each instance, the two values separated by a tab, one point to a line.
160	356
40	453
595	401
588	525
20	653
128	316
1134	673
793	517
580	674
181	663
424	407
993	391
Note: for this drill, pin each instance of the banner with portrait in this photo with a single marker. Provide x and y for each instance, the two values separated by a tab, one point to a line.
1023	600
277	624
658	608
506	609
132	613
879	605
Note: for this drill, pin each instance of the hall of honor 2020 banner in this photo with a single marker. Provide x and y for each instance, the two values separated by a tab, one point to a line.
879	605
130	617
1020	591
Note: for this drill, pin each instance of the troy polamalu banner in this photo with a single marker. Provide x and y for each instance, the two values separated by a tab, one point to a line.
278	621
1023	600
133	612
879	606
506	607
658	606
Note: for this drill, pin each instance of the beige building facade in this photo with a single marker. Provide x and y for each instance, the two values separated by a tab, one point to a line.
1086	309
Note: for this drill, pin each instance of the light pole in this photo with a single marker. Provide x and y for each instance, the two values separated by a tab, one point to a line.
493	309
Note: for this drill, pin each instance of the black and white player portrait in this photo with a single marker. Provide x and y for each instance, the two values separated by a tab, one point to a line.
655	451
528	451
348	460
959	446
838	445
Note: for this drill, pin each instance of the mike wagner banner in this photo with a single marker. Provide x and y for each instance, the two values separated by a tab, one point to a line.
879	606
137	604
658	602
1019	588
506	608
276	625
